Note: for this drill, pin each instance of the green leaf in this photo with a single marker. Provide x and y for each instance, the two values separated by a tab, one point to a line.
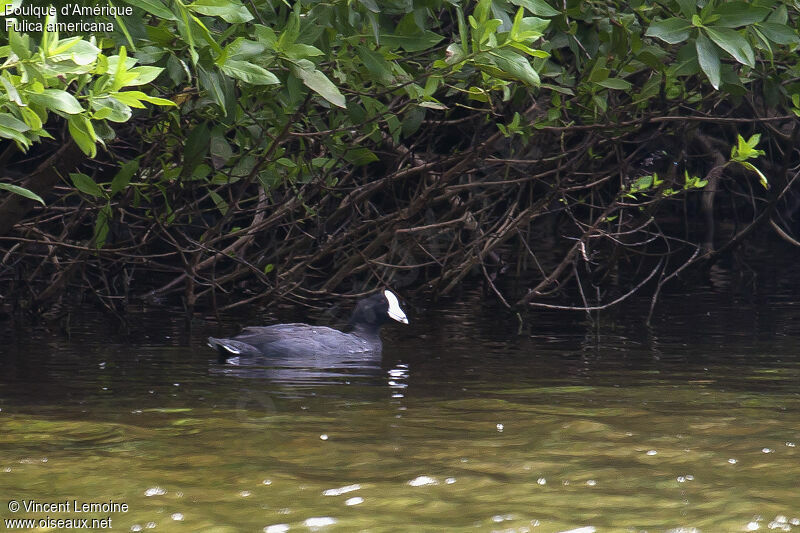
158	101
531	28
530	51
211	83
114	61
693	182
289	35
615	83
266	36
123	79
85	184
433	105
537	7
642	184
177	70
489	30
20	44
48	36
672	30
128	98
154	7
221	204
746	149
195	148
599	72
778	33
119	70
481	11
76	49
412	43
688	7
229	11
22	191
319	83
708	57
379	69
463	34
219	148
736	14
135	99
371	5
9	133
31	118
205	34
102	113
124	29
478	94
82	131
779	15
101	226
242	48
767	44
144	75
514	33
761	177
360	156
302	51
515	65
732	42
113	109
62	46
10	121
249	72
412	120
57	100
11	91
123	177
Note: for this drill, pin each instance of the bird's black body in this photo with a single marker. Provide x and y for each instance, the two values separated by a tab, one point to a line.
303	340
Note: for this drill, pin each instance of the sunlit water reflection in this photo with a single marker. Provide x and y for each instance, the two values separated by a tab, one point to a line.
466	423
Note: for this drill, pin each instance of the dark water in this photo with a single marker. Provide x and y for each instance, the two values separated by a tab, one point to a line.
466	423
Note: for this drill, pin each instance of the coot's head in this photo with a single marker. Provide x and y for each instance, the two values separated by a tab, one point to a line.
374	311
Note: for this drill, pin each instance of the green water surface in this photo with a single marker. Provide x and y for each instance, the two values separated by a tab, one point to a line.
466	423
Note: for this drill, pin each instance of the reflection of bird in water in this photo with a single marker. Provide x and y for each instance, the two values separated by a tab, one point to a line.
364	369
305	370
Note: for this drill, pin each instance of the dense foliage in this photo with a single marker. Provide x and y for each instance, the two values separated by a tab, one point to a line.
294	150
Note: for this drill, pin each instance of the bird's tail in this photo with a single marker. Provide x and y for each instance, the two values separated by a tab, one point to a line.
227	348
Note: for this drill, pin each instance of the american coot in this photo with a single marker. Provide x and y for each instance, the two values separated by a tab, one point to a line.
301	340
